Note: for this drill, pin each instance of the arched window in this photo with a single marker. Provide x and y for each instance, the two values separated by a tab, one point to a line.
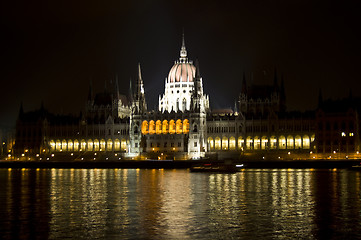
195	129
306	142
70	145
232	143
171	127
264	142
273	140
249	143
257	143
165	127
96	145
145	127
290	142
178	126
116	145
177	105
282	142
102	145
82	145
90	145
151	127
185	126
123	145
52	145
76	145
109	145
224	143
298	142
184	105
210	143
135	129
63	145
158	127
217	143
240	143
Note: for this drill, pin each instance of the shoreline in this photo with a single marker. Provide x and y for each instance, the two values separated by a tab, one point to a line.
178	164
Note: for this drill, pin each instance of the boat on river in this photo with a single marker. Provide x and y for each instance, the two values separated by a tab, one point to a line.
356	167
216	167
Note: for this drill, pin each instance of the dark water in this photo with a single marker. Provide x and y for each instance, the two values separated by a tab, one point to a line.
177	204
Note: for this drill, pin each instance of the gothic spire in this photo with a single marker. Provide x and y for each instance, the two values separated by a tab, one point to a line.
130	90
140	87
183	51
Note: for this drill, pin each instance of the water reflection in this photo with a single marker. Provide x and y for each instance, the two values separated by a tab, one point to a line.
177	204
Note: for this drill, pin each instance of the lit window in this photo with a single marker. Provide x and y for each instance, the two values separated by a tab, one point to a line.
351	134
343	134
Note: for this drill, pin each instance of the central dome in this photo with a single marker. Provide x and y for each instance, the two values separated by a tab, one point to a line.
182	71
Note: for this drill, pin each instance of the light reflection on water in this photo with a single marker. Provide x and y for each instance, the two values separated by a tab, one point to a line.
177	204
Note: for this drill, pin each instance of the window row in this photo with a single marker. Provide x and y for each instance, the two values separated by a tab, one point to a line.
260	143
164	127
89	145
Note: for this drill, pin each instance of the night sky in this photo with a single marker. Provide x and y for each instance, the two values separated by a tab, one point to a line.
51	50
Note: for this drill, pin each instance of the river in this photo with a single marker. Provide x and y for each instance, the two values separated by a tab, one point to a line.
178	204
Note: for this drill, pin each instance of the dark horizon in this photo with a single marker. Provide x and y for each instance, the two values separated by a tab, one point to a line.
51	52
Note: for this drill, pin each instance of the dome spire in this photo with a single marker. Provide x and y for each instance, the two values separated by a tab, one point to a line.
183	51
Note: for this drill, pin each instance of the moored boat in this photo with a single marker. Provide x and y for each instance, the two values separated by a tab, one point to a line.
216	167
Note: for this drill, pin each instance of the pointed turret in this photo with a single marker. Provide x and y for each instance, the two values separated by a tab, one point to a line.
197	79
183	51
197	90
139	105
139	86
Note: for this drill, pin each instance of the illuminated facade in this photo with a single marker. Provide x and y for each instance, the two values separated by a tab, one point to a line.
183	126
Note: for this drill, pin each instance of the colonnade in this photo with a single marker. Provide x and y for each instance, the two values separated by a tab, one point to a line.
165	127
260	142
59	145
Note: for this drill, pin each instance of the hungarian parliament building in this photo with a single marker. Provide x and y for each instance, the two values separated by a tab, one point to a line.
185	127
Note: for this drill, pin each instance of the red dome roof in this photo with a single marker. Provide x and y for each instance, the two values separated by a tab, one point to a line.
182	72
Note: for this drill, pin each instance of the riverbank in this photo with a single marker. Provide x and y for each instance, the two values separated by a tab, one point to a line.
170	164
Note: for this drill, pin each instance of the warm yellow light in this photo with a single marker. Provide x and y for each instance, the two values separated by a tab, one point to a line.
26	150
23	155
37	155
311	152
52	155
289	153
334	152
